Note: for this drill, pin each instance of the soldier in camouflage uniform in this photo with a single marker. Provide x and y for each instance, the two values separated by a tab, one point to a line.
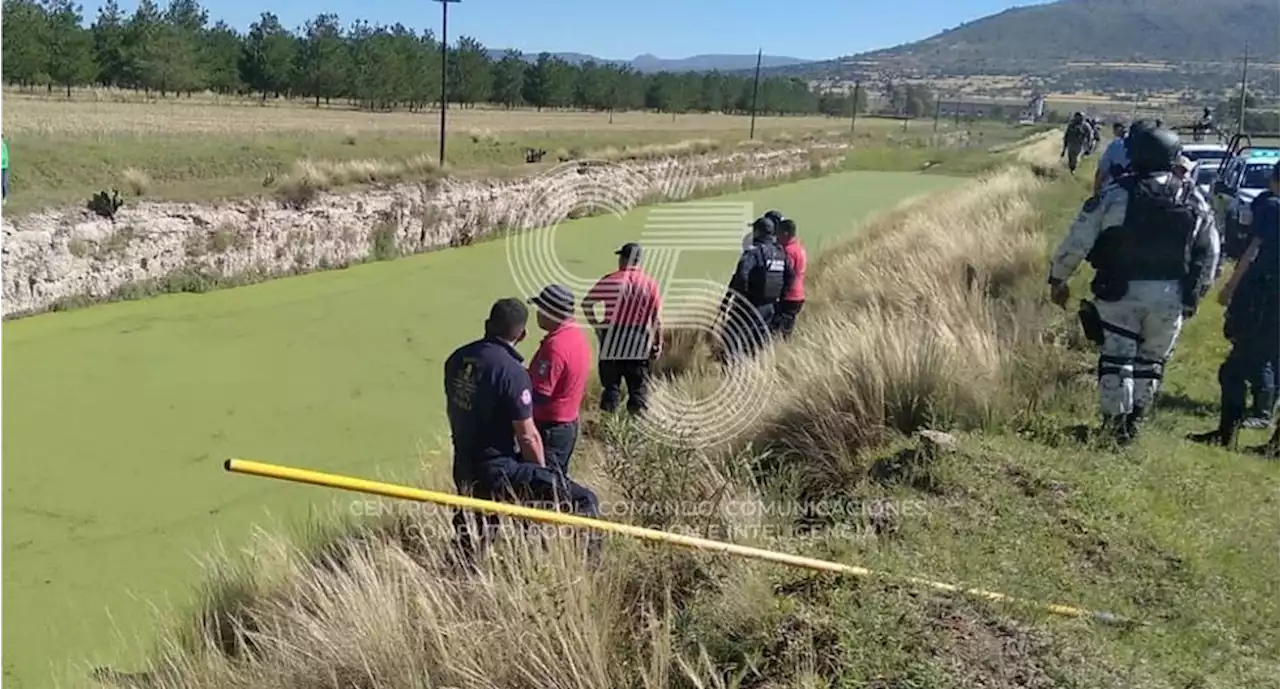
1075	139
1154	247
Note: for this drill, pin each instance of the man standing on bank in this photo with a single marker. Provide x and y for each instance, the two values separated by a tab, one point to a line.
559	371
788	308
630	333
497	451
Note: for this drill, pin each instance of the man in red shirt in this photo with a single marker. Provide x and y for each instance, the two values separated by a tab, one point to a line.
630	332
559	371
793	298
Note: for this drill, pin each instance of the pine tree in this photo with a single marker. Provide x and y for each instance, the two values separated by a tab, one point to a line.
109	44
70	47
508	79
26	44
470	78
140	34
266	64
220	54
322	58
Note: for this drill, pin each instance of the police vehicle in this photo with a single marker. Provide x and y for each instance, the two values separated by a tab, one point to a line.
1240	180
1206	173
1206	153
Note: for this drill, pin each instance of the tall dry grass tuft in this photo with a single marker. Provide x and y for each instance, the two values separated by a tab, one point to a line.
687	147
135	181
378	612
310	177
911	324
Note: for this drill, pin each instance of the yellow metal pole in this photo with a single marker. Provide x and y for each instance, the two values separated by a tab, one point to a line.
391	490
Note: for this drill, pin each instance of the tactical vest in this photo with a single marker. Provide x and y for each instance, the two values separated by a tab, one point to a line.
1153	242
765	282
1077	134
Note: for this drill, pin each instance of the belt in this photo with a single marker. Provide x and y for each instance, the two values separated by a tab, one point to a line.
544	423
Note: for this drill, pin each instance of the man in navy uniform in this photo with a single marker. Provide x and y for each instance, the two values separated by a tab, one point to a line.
497	449
762	276
1252	325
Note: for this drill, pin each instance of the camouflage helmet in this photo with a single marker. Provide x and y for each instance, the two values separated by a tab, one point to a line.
1152	149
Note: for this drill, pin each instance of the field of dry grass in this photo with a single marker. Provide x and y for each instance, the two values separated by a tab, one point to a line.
207	148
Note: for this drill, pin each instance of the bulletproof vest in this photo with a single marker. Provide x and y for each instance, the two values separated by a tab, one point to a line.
1154	240
1078	133
764	283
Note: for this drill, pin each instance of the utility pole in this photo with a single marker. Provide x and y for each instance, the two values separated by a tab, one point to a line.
755	92
857	92
1244	83
937	111
444	69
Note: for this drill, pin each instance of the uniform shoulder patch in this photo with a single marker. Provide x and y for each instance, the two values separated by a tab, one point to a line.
526	397
1091	204
543	367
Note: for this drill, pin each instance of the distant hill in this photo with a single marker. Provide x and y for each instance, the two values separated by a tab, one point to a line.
697	63
707	63
1111	31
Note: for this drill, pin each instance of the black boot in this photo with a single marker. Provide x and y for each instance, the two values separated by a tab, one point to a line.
1270	449
1133	422
1213	437
1117	428
1223	436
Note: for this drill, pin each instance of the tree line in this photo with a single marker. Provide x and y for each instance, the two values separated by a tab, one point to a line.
176	50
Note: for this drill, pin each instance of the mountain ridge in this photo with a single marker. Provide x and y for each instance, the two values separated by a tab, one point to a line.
1113	31
648	63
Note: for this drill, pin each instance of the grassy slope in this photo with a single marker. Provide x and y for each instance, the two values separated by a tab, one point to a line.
1180	537
1176	535
117	417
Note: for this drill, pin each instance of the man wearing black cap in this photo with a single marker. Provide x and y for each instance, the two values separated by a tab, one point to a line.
559	371
630	332
762	276
497	450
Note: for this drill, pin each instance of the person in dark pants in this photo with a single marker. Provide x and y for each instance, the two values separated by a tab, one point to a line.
1266	230
630	332
559	371
792	301
1263	253
1078	134
1253	326
762	276
497	450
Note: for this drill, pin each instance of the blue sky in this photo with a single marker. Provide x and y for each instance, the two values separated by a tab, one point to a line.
623	29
